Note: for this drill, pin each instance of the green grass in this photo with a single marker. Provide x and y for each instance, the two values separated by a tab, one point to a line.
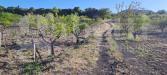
31	68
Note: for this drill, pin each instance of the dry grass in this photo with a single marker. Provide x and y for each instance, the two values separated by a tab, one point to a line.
114	49
81	60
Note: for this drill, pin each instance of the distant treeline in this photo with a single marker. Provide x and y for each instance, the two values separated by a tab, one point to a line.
148	12
90	12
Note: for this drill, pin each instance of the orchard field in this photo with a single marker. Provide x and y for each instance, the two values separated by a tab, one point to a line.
93	41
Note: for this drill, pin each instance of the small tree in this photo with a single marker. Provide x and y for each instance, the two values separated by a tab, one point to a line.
163	24
6	20
52	31
30	21
75	26
29	27
127	15
139	21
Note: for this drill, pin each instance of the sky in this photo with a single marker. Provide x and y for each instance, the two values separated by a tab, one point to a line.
147	4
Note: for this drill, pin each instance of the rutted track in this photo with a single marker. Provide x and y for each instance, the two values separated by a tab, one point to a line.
106	63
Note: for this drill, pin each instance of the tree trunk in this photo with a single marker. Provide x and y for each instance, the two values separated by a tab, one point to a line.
162	30
77	43
134	35
0	39
2	43
48	47
77	40
52	48
6	48
40	57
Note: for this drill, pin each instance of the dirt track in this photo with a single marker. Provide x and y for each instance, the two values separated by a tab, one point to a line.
145	57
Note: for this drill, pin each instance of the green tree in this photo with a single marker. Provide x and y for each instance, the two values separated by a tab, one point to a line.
6	20
91	13
161	12
32	21
77	10
126	16
105	13
31	10
52	31
75	26
2	9
55	11
163	24
139	21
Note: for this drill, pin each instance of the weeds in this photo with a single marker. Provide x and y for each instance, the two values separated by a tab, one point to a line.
31	68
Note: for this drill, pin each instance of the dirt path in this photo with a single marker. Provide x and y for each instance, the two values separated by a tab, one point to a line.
105	65
103	62
145	57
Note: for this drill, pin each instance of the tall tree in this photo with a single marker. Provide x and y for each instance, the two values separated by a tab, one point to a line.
91	13
31	10
55	11
161	12
2	9
104	13
77	10
163	24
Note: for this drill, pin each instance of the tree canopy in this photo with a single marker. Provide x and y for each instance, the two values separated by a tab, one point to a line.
90	12
7	19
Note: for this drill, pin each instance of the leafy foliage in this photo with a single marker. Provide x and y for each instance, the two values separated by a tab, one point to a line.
54	26
90	12
31	68
72	22
7	19
163	24
104	13
139	21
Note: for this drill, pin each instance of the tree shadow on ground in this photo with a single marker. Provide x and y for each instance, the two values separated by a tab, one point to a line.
5	67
